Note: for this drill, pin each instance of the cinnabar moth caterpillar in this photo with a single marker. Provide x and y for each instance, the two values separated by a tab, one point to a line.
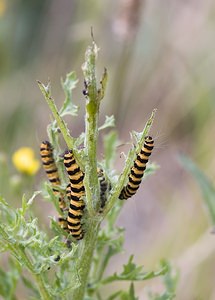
105	187
77	191
137	171
47	157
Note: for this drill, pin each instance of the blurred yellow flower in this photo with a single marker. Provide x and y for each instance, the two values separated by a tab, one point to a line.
25	162
2	7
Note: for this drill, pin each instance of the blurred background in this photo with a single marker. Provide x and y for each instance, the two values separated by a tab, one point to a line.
159	54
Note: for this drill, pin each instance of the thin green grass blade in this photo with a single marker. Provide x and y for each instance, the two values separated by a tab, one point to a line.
206	186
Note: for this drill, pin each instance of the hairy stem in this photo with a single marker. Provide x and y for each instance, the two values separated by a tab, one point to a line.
91	180
91	128
61	124
87	247
42	288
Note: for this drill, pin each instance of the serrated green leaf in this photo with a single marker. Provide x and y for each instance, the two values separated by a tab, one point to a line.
170	280
69	108
63	287
207	188
134	273
109	122
113	239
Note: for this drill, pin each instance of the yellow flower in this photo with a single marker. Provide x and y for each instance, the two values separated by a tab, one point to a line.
25	162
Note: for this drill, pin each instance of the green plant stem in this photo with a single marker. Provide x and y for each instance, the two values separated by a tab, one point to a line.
42	288
50	101
85	259
60	122
38	277
91	128
91	180
91	160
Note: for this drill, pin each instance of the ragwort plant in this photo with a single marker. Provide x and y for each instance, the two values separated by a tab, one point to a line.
61	267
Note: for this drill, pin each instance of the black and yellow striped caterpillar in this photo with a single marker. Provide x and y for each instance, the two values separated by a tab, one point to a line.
137	171
75	193
48	161
105	187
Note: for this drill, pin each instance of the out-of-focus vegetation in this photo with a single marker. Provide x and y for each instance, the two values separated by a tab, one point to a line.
158	54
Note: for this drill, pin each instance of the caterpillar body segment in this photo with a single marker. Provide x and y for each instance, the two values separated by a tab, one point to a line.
75	192
137	171
105	187
63	223
68	192
75	213
46	153
49	165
